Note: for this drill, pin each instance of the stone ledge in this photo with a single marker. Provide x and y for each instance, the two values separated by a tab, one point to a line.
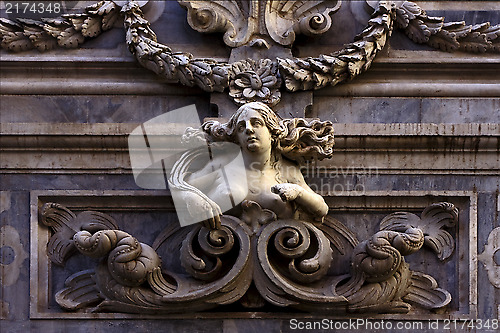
398	77
388	148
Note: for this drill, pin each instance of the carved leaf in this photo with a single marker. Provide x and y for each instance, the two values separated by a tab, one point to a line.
76	20
65	225
159	284
476	41
91	26
417	31
109	19
425	292
38	37
434	219
101	8
12	36
66	35
380	297
445	41
338	234
407	12
60	219
80	292
492	33
95	221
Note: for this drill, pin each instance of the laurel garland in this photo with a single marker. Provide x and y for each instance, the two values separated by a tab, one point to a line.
447	36
68	31
71	30
208	74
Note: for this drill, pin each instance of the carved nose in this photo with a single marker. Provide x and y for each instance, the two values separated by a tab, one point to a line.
249	128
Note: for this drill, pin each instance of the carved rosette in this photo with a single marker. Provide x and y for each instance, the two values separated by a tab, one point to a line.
255	81
288	261
256	23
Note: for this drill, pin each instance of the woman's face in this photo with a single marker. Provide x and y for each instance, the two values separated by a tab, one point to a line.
252	133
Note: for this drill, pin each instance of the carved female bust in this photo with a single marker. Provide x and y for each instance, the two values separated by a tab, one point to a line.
270	148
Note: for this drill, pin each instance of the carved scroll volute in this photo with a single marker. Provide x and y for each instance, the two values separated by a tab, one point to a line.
129	262
207	264
221	16
241	21
298	249
285	19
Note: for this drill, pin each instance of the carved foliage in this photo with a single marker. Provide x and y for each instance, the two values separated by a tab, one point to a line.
447	36
297	74
255	81
65	224
381	279
434	218
288	260
207	74
68	31
80	292
355	58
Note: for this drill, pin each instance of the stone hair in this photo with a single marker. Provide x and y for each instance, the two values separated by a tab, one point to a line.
296	139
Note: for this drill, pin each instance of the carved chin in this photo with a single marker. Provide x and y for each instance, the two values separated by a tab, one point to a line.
253	146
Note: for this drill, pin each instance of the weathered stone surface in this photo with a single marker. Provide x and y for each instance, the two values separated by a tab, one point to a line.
375	170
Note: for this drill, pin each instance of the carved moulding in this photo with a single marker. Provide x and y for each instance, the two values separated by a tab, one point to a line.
255	23
310	73
284	262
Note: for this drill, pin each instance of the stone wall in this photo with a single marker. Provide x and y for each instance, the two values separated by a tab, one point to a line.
421	126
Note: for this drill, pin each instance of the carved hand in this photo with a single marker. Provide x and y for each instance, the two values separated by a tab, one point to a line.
287	191
205	211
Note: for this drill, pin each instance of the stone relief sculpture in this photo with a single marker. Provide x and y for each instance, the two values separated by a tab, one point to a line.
257	24
246	22
276	247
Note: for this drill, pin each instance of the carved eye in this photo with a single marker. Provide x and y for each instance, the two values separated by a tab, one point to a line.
258	122
241	127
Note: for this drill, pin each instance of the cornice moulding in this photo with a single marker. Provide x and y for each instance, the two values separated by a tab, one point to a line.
412	148
453	79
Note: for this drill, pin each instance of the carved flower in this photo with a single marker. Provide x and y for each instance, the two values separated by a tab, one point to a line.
255	81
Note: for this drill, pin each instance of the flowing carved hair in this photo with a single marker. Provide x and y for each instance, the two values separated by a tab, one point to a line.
296	139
